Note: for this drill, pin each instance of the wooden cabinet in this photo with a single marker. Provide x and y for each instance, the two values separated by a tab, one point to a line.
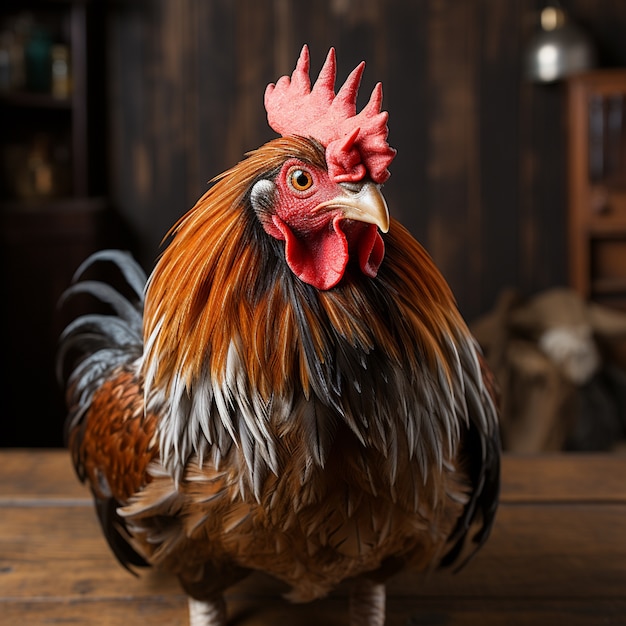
53	206
50	88
597	185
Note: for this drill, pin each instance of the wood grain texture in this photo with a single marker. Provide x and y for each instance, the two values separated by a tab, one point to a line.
255	612
557	555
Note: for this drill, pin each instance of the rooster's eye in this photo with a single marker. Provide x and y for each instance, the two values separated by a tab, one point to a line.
300	180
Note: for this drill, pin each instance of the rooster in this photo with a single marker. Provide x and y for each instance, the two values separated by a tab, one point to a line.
292	390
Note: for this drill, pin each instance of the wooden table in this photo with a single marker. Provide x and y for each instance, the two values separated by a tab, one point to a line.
557	555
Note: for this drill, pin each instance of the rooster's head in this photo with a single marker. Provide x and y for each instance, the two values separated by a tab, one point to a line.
325	201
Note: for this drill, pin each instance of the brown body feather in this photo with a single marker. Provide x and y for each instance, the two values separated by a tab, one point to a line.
313	435
341	523
117	442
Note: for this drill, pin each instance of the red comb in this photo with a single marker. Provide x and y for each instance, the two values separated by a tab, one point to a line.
356	143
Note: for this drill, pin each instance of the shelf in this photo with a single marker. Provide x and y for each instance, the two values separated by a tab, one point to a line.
615	229
76	221
597	184
608	286
34	100
53	205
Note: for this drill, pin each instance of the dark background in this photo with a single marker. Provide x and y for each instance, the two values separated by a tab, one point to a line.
176	97
480	172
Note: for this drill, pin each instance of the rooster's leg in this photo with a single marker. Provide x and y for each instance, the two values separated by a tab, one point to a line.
367	603
207	612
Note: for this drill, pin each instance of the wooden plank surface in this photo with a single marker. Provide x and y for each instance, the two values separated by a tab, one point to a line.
557	555
564	478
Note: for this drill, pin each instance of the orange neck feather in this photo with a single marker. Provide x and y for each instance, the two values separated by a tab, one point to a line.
211	283
220	281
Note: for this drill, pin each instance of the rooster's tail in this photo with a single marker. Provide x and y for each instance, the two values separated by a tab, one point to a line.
95	344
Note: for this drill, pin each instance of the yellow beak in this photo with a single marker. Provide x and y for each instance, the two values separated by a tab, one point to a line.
362	202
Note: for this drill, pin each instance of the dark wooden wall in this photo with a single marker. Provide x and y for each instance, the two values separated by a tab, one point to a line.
480	172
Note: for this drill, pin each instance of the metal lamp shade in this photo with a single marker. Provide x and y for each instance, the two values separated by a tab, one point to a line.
558	50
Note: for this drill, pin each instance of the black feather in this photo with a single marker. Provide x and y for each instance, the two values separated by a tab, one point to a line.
115	533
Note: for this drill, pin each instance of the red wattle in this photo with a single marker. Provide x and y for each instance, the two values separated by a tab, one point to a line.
321	258
371	251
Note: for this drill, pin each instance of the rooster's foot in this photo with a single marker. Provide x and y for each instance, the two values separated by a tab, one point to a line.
207	612
367	603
